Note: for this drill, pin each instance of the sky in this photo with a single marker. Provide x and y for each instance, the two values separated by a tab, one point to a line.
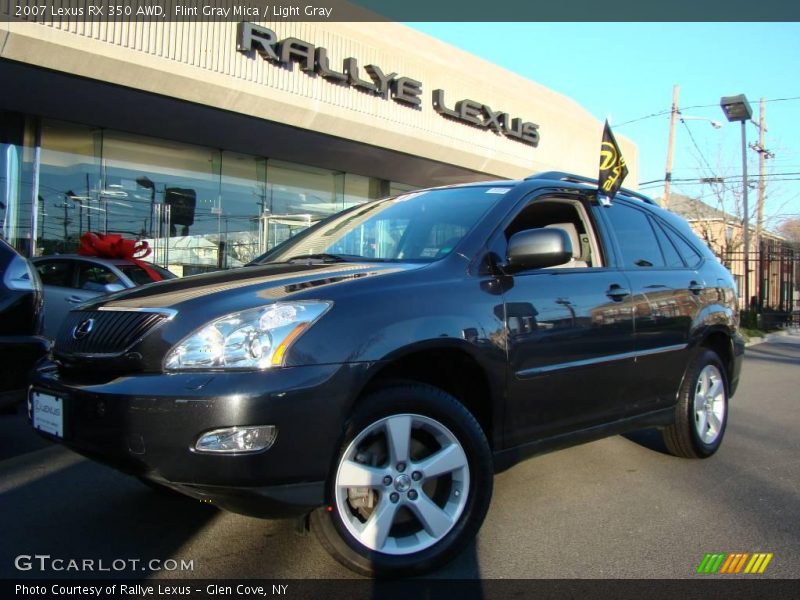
640	64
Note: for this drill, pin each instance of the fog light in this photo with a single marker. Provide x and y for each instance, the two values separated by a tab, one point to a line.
237	440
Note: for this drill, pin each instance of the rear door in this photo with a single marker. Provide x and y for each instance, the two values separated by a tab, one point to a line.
569	331
667	292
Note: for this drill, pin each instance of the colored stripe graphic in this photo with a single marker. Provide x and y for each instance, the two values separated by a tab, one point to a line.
711	563
734	563
758	563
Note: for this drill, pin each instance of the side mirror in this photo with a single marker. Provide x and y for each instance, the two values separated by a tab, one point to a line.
110	288
538	248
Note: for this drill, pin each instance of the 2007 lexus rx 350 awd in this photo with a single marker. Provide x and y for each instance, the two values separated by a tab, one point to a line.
377	369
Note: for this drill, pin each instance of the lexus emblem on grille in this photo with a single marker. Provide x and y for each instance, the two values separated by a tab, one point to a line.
82	329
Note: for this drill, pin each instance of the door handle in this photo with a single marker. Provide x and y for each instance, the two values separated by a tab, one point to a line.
695	287
617	292
73	299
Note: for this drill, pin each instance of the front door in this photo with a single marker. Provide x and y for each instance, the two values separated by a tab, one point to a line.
569	330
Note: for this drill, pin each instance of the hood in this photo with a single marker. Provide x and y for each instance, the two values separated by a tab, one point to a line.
132	330
244	287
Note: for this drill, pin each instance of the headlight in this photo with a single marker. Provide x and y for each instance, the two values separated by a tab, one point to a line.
252	339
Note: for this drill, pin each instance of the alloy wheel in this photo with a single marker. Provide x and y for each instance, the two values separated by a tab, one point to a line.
709	404
402	484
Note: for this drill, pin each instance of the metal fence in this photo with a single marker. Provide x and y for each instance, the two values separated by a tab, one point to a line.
774	272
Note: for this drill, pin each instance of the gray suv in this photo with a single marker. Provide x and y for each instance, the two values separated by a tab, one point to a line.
376	370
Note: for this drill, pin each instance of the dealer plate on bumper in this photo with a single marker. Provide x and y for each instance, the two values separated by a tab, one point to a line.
47	412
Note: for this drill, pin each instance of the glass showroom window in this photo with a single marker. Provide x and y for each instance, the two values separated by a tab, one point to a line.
357	190
297	197
70	198
243	207
396	188
199	208
15	224
167	193
16	180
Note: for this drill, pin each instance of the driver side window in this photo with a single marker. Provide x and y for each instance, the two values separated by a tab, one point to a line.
570	217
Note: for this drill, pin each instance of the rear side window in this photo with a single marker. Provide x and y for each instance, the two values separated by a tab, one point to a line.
635	236
671	255
688	253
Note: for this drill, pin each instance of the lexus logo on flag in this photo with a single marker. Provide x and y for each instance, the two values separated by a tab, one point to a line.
612	165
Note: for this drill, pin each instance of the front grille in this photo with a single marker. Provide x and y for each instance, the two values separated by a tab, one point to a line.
112	332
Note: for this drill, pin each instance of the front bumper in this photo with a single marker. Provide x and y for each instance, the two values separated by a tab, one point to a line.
147	425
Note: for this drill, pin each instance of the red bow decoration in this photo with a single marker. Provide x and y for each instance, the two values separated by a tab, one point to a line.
113	245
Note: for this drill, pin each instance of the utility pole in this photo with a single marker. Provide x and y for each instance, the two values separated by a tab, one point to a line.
762	159
671	145
763	155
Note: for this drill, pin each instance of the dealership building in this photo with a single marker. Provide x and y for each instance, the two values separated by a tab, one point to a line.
215	141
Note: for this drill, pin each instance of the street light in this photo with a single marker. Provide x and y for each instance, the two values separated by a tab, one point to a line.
714	124
737	108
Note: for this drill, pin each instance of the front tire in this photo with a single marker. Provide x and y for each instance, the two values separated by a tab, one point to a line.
411	485
702	409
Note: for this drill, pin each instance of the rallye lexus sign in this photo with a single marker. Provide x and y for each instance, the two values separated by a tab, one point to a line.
252	38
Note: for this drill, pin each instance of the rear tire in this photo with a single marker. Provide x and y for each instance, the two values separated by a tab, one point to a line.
702	410
411	484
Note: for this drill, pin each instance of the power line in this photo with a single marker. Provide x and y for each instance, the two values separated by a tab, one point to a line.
790	99
728	168
658	114
705	179
715	105
652	186
699	151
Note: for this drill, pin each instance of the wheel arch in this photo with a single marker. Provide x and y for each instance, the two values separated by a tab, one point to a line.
720	342
450	367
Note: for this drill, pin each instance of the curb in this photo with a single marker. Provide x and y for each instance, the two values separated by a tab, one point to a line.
760	340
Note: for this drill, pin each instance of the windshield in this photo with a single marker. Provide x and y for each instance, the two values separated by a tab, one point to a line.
414	227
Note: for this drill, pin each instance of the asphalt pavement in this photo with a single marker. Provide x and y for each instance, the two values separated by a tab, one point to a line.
617	508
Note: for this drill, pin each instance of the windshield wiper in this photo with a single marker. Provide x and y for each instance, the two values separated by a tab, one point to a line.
321	257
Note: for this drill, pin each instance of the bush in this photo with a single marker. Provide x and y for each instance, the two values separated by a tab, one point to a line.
748	319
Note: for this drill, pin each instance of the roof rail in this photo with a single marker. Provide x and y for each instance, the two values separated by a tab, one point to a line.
562	176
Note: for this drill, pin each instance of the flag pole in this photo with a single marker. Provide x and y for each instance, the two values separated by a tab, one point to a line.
612	167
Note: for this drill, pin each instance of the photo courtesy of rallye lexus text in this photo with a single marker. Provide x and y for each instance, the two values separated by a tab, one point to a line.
377	369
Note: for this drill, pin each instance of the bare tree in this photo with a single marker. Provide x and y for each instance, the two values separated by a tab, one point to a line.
242	247
790	229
